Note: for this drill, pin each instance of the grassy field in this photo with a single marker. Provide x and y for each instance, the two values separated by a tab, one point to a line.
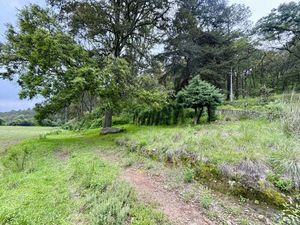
13	135
59	179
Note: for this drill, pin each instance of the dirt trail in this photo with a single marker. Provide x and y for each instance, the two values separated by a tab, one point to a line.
151	189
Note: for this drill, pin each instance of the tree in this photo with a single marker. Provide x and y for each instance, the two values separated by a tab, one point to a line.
46	61
199	94
2	121
117	27
115	87
282	26
200	41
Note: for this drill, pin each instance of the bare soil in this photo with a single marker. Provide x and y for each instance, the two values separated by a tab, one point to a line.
150	189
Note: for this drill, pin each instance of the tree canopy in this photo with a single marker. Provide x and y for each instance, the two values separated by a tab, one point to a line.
139	56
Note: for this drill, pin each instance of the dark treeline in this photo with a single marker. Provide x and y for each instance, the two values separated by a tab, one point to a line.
140	57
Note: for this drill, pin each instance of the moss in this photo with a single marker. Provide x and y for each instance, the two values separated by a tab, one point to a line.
206	171
272	196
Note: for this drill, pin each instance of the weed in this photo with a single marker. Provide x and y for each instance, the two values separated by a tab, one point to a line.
244	221
189	174
206	198
188	196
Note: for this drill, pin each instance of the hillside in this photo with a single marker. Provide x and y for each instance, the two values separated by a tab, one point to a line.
18	118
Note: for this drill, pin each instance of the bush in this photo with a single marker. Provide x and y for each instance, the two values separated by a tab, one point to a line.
199	94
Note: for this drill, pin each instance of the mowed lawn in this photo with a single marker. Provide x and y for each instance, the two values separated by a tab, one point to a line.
13	135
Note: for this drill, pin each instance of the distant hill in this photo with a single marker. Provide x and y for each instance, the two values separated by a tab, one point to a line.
18	118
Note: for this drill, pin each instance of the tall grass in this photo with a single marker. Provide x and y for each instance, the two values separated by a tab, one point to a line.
291	117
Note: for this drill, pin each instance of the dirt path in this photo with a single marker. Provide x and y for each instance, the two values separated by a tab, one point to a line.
151	189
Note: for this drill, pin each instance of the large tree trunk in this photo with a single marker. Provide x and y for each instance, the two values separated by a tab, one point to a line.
107	122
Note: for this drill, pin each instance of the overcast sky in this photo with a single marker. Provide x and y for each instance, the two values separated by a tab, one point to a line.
8	9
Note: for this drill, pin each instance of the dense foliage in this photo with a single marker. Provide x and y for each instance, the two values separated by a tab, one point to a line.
134	57
18	118
198	95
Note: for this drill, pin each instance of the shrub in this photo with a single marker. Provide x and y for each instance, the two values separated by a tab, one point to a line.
265	93
111	206
274	109
199	94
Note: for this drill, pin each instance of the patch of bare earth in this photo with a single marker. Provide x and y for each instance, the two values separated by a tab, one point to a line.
62	155
151	189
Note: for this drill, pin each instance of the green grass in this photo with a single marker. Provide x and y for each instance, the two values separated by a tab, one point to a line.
13	135
270	105
221	142
59	179
246	152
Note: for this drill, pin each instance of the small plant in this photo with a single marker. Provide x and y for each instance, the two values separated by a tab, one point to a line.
244	221
17	159
290	215
188	196
43	136
280	183
189	175
206	198
243	199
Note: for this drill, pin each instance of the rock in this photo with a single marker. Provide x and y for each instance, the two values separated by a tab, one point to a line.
261	217
111	130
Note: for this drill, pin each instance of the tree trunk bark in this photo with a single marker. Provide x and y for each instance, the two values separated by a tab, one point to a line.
107	122
199	115
195	118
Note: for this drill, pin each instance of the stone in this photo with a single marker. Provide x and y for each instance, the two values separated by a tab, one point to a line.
261	217
111	130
